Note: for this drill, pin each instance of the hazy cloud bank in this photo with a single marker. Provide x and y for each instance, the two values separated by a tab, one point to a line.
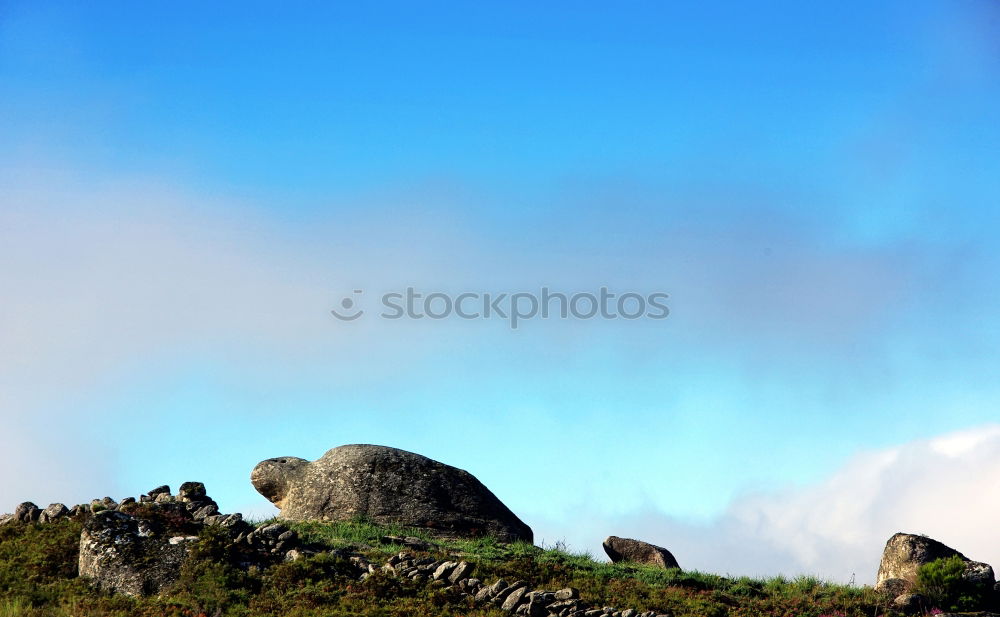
947	487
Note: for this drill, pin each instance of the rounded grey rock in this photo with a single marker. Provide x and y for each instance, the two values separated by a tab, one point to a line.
388	486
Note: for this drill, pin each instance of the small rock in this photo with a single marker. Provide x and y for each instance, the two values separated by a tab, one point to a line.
558	607
206	511
27	512
443	570
544	597
191	491
54	512
535	609
501	595
514	598
159	490
490	591
461	571
233	521
569	593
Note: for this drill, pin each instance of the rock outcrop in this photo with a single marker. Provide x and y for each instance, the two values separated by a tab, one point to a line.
637	551
53	512
387	486
904	554
137	547
123	554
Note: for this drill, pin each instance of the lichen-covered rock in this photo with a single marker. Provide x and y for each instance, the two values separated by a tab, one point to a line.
893	587
53	512
637	551
388	486
910	603
904	554
127	555
979	573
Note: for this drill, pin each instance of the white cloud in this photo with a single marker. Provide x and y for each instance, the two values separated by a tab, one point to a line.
947	487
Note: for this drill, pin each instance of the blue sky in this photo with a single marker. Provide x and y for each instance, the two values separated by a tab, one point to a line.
187	190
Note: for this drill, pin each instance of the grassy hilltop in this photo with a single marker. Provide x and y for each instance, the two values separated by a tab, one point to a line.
38	566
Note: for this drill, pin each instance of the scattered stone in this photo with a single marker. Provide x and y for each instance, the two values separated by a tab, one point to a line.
514	598
506	591
489	592
443	570
460	572
205	512
637	551
568	593
410	542
389	486
163	489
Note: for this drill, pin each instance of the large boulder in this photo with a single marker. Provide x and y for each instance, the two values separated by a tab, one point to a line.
904	554
128	555
637	551
388	486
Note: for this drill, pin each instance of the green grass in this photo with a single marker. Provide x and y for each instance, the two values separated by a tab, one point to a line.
38	579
